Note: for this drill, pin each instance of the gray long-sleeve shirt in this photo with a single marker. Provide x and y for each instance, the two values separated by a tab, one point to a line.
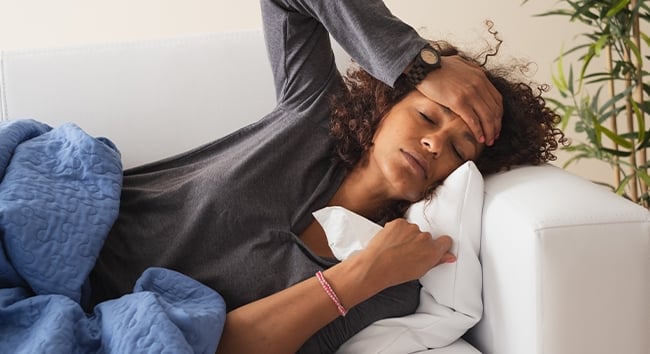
228	213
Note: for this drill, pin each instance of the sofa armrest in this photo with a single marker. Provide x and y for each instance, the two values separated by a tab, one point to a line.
566	267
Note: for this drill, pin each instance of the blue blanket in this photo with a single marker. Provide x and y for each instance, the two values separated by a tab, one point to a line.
59	196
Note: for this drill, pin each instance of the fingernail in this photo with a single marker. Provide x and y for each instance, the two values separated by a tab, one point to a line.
481	139
451	260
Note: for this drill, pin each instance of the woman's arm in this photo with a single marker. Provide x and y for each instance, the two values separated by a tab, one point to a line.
382	44
298	41
282	322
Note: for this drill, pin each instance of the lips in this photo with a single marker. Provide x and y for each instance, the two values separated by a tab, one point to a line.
417	162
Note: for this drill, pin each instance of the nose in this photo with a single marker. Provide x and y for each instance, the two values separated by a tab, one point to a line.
433	143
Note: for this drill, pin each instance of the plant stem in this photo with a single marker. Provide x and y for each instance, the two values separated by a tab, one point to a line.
613	117
629	114
638	94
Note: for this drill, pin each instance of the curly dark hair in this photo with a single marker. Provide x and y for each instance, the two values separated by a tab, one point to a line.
528	134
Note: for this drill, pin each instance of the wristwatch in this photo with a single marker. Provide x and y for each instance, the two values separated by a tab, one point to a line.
427	60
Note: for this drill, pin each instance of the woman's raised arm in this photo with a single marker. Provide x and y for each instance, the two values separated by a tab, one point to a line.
297	34
382	44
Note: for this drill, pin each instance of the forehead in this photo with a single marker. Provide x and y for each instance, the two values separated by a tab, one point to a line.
417	98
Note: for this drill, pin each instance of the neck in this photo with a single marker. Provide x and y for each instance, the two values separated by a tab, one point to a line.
362	194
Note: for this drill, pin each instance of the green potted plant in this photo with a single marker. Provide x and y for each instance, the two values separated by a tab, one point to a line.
606	98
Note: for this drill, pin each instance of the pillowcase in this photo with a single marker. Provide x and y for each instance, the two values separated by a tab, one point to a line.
450	298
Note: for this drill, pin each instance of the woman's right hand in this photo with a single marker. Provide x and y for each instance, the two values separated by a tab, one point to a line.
400	252
465	89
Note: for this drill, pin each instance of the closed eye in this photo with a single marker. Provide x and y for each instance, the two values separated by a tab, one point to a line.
458	154
426	118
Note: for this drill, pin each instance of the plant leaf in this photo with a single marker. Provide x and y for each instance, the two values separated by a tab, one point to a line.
618	153
640	120
645	38
600	43
621	187
637	52
612	101
645	143
617	8
615	137
644	177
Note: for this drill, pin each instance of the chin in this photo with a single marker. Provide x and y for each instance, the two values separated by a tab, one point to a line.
409	189
412	196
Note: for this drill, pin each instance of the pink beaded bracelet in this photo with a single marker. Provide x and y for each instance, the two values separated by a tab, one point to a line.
330	292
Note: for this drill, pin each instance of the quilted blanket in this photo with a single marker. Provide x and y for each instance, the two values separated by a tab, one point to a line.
59	195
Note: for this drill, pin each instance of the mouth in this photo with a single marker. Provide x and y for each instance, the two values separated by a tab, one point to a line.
417	163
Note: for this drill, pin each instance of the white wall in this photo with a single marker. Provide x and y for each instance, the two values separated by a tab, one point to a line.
48	23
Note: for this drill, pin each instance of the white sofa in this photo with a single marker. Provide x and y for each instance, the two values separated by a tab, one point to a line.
566	264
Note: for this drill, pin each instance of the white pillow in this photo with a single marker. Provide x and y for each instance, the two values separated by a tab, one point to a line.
450	298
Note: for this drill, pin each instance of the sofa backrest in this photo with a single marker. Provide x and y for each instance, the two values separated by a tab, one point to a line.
153	98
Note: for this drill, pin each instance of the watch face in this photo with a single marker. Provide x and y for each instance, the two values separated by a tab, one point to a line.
430	57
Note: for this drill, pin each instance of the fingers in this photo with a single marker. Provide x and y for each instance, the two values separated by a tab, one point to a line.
480	105
443	243
443	246
402	252
433	251
465	89
448	258
487	108
483	116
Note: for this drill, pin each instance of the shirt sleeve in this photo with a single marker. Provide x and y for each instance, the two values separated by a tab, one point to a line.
298	40
396	301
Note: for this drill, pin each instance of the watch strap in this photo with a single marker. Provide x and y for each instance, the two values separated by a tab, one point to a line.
417	73
419	69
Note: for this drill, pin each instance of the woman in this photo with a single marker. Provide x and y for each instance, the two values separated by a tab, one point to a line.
236	214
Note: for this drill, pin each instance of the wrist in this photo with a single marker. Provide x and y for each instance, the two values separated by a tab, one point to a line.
427	60
355	280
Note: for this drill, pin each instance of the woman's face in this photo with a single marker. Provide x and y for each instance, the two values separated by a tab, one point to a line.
419	143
